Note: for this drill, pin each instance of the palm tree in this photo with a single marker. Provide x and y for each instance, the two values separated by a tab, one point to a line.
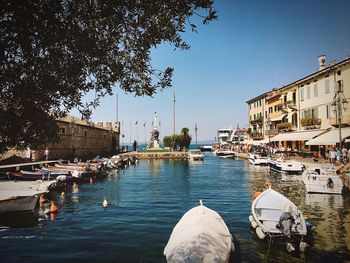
185	138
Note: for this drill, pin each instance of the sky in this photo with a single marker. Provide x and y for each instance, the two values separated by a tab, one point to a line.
253	47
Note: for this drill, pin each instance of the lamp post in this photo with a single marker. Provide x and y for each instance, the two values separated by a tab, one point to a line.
269	124
338	103
72	125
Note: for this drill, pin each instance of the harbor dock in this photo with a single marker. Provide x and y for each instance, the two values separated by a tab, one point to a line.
142	155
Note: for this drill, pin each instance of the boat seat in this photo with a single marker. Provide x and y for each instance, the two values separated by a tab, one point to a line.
271	225
269	214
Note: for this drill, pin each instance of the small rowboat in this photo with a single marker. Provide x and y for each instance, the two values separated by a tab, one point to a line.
274	215
201	235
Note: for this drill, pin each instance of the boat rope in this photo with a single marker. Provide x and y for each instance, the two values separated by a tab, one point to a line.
268	248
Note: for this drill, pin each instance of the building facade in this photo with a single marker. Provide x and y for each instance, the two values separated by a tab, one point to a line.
303	109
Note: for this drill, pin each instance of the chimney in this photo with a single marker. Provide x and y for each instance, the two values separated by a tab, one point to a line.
322	62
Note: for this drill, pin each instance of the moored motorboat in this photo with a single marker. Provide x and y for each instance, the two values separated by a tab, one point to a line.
322	179
195	155
226	154
21	197
285	166
201	235
205	148
274	215
257	159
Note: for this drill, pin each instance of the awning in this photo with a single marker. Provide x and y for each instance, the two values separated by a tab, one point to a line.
330	138
278	118
297	136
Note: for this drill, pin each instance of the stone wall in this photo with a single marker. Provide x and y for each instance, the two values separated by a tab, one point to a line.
85	140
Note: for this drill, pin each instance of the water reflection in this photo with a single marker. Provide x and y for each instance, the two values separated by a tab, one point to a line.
330	238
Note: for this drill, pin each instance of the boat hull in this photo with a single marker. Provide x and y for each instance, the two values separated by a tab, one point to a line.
324	183
267	211
292	167
18	205
200	236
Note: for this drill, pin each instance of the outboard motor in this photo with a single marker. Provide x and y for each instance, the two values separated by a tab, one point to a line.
285	223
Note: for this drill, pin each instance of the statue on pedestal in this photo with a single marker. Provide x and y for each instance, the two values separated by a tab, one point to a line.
154	141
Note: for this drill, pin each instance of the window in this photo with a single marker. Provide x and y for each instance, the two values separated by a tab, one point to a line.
266	114
327	86
85	133
301	94
339	72
327	111
308	93
270	110
315	90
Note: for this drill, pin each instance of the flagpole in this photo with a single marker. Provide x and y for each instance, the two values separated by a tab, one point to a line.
174	113
137	131
117	108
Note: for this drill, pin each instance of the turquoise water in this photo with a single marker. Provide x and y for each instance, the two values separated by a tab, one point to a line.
146	201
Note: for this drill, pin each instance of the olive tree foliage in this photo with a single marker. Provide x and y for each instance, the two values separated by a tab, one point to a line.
53	52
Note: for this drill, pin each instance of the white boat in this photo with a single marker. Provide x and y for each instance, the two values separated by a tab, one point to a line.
201	235
257	159
205	148
21	196
286	166
274	215
195	155
227	154
322	179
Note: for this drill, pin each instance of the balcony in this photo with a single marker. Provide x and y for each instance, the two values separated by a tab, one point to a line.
272	132
345	121
311	123
257	136
284	126
257	121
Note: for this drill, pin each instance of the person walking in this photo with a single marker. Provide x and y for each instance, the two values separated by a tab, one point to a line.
46	154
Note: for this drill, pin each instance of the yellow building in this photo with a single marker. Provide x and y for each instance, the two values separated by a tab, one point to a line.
256	109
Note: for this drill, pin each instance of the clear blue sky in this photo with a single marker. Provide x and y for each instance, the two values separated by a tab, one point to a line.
253	47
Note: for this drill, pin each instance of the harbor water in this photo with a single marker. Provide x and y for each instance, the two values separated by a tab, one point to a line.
147	200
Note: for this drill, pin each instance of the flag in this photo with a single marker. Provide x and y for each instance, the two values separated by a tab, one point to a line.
136	122
174	97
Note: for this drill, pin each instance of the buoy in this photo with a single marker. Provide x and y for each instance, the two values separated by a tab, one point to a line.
53	208
105	203
256	194
260	233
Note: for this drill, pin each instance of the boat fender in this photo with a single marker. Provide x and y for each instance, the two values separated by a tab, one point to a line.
260	233
290	247
53	207
251	218
330	183
254	224
105	203
303	246
256	194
